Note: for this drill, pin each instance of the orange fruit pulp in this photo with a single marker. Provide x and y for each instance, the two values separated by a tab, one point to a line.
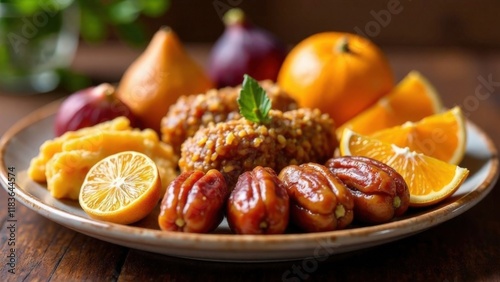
429	180
442	136
411	100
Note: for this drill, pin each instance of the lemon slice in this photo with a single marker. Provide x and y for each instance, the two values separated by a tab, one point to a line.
122	188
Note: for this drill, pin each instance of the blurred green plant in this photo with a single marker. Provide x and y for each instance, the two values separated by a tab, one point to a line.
122	14
97	19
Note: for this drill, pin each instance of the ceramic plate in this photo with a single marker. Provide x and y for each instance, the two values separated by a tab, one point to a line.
23	140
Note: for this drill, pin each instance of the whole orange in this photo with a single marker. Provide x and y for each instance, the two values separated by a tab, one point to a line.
339	73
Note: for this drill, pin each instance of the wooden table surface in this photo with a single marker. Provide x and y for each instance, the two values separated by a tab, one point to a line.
466	248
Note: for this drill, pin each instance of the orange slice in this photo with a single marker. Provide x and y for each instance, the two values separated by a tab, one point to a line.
122	188
429	180
411	100
441	136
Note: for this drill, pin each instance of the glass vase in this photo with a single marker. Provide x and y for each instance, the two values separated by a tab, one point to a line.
35	44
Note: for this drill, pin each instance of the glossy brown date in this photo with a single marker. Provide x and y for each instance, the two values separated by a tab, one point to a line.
259	203
380	193
318	200
194	202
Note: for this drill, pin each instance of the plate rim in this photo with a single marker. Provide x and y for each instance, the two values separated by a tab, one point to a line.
246	242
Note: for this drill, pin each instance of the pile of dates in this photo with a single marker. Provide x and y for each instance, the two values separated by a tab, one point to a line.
311	197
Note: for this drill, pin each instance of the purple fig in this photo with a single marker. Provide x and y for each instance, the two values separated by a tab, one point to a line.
244	48
89	107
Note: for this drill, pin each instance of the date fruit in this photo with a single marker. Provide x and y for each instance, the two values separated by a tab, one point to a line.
259	203
380	193
318	200
194	202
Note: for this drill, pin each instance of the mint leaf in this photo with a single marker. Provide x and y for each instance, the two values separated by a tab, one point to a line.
253	101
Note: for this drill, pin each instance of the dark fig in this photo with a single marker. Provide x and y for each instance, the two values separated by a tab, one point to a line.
89	107
242	49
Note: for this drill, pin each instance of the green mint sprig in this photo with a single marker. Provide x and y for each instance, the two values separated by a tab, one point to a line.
253	101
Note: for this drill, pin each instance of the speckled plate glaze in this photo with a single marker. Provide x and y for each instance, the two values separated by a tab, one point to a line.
22	142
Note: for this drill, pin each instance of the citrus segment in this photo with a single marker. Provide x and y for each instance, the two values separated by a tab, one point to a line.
441	136
429	180
411	100
122	188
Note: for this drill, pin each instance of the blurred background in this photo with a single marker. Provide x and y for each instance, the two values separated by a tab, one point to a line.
471	24
391	24
92	41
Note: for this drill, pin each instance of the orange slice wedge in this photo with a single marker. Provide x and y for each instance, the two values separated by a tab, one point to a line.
122	188
441	136
411	100
429	180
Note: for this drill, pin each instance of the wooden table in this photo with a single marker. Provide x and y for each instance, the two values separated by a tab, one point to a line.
466	248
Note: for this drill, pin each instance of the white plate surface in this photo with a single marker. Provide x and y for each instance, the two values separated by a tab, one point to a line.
22	142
